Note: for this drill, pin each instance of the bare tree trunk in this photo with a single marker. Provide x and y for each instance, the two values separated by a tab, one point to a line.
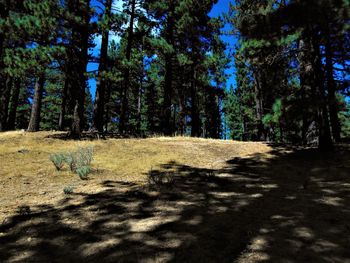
61	121
182	112
303	87
167	92
332	100
101	86
34	123
4	87
259	107
312	84
139	105
325	137
76	127
168	79
4	102
124	108
78	75
11	123
107	99
195	131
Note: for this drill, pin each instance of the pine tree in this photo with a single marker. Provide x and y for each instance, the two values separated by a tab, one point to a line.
99	104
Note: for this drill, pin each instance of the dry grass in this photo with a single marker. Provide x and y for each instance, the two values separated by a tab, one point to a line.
229	202
27	176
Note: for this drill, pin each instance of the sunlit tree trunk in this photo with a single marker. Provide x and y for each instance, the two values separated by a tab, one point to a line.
34	123
101	85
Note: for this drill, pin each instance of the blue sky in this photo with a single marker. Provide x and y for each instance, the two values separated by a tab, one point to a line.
221	7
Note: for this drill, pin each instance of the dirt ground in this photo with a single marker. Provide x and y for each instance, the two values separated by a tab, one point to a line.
228	202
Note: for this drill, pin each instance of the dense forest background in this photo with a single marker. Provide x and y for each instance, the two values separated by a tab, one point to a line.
167	72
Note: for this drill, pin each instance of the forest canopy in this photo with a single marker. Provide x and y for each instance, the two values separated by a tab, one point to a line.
163	68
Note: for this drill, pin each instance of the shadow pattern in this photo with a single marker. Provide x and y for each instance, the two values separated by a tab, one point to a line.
294	207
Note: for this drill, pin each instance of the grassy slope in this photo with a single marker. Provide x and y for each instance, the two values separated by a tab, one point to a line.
29	178
262	204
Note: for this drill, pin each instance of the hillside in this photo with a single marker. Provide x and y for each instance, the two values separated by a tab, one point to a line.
228	201
28	177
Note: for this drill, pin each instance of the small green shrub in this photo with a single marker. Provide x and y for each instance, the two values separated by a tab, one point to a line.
68	190
58	160
84	156
71	160
83	171
78	161
160	179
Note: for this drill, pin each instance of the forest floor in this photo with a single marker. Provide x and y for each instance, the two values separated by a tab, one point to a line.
228	202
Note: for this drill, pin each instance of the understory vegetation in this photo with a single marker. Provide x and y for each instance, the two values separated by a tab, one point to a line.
78	161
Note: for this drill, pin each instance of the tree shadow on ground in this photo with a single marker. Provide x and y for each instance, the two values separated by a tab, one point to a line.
91	136
293	207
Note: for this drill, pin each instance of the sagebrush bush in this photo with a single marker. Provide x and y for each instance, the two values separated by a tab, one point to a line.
84	156
71	160
83	172
58	160
159	179
68	190
78	161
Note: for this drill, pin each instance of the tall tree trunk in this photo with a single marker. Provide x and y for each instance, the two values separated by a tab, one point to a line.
76	127
11	123
195	131
167	93
84	61
139	107
101	86
259	108
182	111
312	84
107	108
325	137
4	102
34	123
332	100
61	121
307	90
4	88
125	106
168	79
151	107
81	37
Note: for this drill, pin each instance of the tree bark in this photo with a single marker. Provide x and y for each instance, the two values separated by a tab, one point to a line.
259	108
139	107
168	79
107	107
11	123
34	123
331	85
312	85
4	103
61	121
4	88
305	88
195	120
182	110
76	126
77	76
325	137
125	106
99	103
